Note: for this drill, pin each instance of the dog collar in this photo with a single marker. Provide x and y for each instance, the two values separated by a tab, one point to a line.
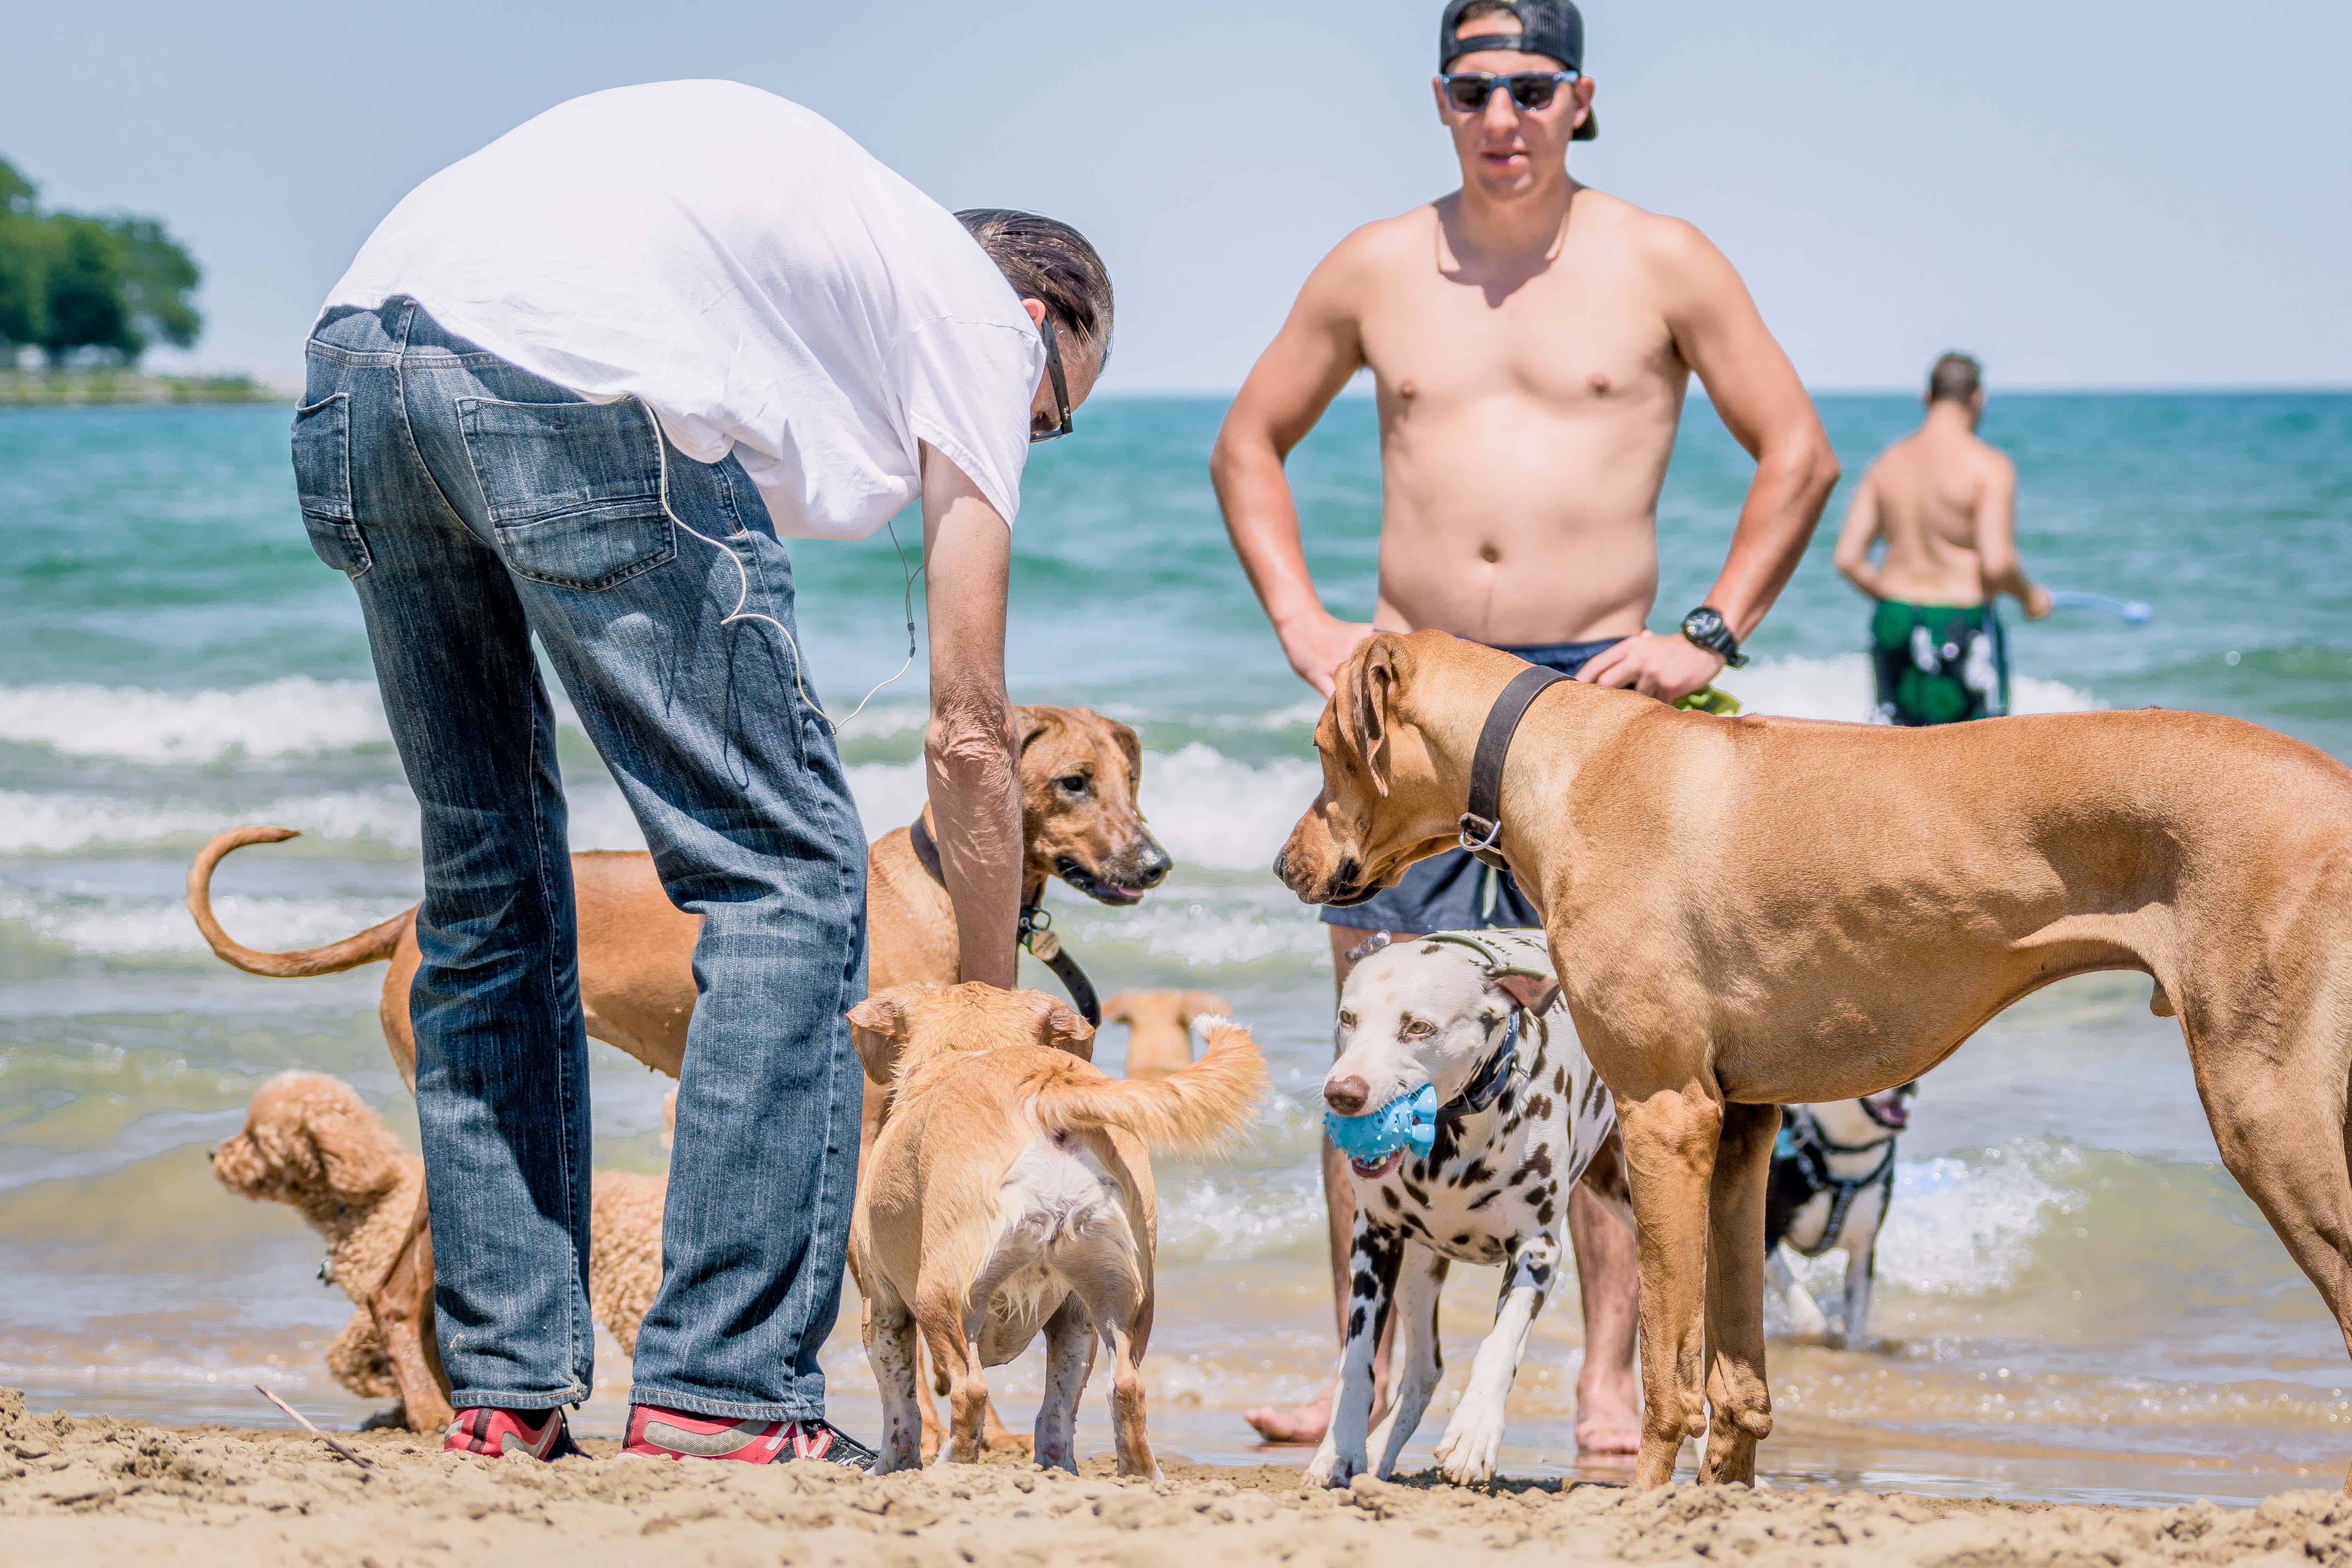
1482	824
1036	935
1487	1084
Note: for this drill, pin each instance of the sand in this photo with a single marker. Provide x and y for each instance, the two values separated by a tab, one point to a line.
103	1489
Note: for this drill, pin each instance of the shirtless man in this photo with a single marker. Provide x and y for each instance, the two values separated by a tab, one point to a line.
1531	339
1945	504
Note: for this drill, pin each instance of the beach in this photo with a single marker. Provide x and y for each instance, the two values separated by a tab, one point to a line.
77	1490
2079	1308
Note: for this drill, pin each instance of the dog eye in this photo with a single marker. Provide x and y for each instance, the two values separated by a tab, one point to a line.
1419	1028
1074	783
1347	1020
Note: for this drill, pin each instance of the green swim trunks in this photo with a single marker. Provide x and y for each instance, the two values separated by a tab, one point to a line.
1938	664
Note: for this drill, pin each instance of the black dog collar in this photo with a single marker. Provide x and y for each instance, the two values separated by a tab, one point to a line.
1482	824
1486	1087
1035	936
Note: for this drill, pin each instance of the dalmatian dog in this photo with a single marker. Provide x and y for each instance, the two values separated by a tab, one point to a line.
1518	1113
1832	1177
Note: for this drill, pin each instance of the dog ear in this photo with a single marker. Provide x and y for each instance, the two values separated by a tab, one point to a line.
1536	993
1119	1009
1059	1026
1204	1004
1361	696
1131	746
878	1027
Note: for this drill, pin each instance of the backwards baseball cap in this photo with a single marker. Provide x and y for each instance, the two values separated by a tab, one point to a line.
1553	27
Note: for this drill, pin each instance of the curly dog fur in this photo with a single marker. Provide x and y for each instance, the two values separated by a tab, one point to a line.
310	1142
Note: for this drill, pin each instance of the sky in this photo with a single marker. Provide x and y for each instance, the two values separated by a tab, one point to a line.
2082	193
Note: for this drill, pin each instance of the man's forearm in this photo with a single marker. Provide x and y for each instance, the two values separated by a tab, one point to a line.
1784	504
1262	521
975	794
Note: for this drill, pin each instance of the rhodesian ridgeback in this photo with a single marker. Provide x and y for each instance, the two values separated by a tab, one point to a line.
1080	822
1749	913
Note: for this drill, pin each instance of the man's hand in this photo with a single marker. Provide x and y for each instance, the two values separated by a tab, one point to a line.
975	786
2035	600
1665	668
1317	645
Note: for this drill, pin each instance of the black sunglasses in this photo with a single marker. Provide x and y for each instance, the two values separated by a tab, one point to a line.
1469	90
1061	387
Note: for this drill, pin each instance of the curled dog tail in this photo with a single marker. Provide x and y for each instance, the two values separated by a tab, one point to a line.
370	946
1191	1108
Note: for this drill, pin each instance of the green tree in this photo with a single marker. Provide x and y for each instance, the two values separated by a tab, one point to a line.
85	293
158	275
23	261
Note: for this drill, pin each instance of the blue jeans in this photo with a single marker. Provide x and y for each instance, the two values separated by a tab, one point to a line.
473	505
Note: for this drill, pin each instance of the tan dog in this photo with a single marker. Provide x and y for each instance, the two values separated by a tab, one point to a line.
312	1142
1159	1027
1011	1193
1080	773
1748	912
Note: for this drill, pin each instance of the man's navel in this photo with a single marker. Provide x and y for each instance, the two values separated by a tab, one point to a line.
1489	553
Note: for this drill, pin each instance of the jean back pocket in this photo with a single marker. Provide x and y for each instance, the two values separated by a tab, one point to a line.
573	489
322	479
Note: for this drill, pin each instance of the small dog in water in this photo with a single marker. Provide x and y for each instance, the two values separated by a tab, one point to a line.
1461	1038
1010	1193
1159	1027
1833	1178
310	1142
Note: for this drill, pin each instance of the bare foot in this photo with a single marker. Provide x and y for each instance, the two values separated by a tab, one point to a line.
1608	1420
1303	1423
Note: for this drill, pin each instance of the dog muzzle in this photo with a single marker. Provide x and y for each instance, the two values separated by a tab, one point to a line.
1408	1122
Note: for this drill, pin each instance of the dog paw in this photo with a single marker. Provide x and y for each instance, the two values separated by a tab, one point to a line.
1466	1454
1330	1468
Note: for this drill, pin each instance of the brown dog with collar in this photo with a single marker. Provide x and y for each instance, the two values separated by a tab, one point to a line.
1746	912
1079	777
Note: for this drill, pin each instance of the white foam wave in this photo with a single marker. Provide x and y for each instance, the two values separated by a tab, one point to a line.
282	717
1242	926
1961	1227
49	824
1214	812
1206	1221
124	926
1841	688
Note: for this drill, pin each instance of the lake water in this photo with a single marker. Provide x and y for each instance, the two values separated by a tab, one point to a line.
2080	1300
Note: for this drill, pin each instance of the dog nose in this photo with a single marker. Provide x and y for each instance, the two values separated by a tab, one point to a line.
1346	1095
1281	859
211	1155
1152	867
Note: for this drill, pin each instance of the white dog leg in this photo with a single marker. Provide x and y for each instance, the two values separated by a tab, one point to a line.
1806	1320
1372	1261
1858	1272
1415	1361
1475	1436
1069	1357
890	1347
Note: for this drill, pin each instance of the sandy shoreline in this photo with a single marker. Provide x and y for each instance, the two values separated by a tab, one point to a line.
98	1489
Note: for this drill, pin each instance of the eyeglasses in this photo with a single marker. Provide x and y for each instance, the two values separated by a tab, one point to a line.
1469	90
1061	388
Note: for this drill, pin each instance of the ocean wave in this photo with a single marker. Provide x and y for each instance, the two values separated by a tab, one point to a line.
284	718
1842	688
1963	1226
119	927
54	823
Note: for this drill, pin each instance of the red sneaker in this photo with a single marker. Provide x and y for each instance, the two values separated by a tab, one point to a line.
657	1433
489	1433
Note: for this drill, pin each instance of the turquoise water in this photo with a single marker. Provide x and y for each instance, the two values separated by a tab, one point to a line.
2084	1304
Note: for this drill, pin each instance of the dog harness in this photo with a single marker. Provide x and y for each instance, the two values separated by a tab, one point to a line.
1036	937
1802	1140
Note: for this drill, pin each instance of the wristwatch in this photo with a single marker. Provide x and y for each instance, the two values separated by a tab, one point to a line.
1705	627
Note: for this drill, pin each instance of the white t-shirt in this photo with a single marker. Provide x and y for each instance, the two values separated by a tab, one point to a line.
759	279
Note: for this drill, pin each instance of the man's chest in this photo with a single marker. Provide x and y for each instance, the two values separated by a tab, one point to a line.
1566	341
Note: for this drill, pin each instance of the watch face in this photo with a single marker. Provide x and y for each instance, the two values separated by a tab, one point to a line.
1703	623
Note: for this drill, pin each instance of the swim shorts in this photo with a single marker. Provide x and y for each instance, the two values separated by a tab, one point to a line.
1452	891
1938	664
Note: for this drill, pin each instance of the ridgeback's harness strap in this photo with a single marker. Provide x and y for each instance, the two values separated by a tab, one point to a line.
1035	933
1482	824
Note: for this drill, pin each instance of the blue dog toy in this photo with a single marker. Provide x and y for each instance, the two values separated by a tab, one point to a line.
1408	1122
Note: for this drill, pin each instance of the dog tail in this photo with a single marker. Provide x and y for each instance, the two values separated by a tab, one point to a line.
1192	1107
368	946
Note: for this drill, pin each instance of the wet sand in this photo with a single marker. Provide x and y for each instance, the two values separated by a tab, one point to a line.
97	1488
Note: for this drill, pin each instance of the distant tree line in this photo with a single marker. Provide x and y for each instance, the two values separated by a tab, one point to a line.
82	286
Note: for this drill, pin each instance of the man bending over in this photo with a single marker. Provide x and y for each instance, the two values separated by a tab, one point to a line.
1531	339
1945	504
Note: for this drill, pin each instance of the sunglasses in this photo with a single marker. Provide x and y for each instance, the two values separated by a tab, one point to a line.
1469	90
1061	388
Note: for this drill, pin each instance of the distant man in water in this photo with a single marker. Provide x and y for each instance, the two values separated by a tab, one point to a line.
1945	504
1531	339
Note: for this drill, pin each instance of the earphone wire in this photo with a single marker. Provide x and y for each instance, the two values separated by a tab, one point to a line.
743	591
